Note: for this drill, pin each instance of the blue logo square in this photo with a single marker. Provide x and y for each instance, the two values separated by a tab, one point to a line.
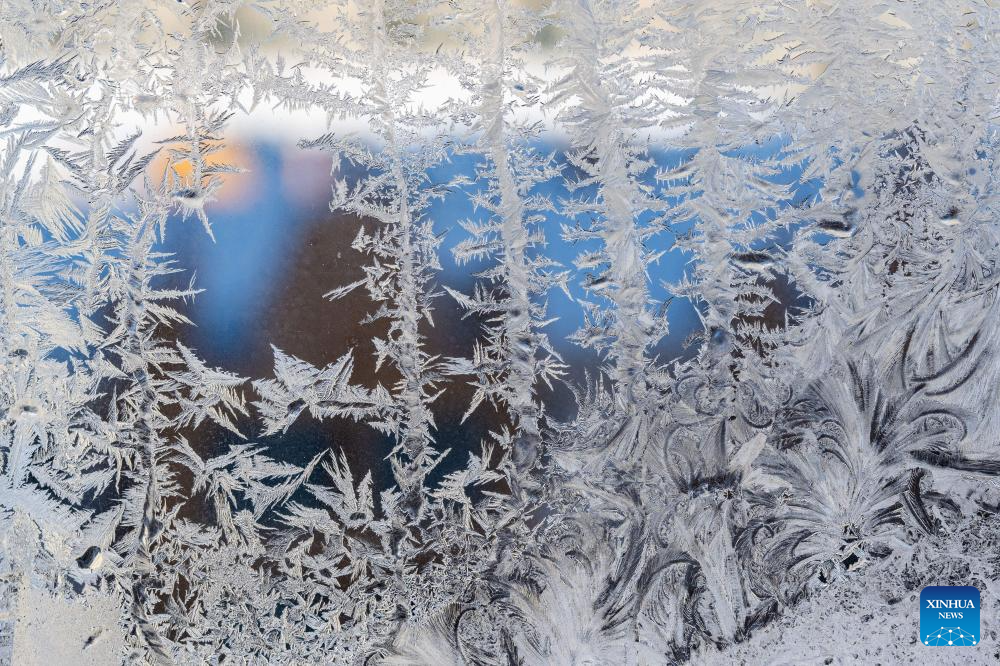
949	615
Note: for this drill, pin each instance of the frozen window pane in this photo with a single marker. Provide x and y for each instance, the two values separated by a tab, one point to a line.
495	332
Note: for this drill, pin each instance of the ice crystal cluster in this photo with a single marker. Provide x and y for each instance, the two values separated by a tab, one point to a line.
825	170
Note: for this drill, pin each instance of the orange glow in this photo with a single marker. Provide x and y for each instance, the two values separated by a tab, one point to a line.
235	186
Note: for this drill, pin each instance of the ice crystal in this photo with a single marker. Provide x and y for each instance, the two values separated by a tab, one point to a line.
826	172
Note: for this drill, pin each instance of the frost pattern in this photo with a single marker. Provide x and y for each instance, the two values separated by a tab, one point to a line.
827	171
